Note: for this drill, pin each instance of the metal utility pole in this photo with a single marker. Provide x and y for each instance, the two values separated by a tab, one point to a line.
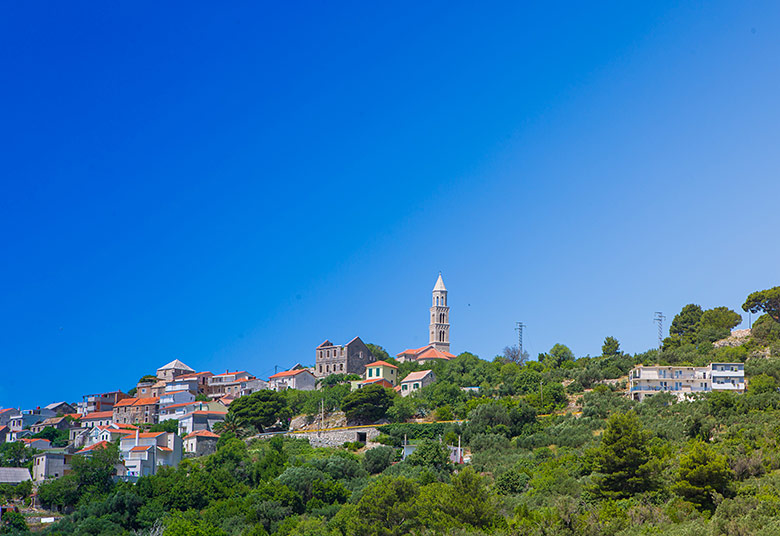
519	326
659	319
322	417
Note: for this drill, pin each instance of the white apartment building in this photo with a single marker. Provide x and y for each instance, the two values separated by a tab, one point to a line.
645	381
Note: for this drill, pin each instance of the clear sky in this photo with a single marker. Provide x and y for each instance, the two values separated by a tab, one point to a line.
232	184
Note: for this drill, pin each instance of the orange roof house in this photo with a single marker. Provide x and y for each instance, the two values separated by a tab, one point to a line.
301	379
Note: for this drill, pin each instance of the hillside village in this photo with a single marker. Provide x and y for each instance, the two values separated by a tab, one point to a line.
197	401
423	393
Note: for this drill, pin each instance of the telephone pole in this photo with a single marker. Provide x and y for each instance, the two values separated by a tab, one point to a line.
659	319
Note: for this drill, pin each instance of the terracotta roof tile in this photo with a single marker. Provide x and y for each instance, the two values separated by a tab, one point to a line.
100	414
381	364
102	444
201	433
288	373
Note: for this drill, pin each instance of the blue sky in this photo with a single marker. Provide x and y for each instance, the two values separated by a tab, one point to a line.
231	185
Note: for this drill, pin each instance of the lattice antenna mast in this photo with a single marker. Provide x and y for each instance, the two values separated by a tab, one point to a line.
519	327
659	319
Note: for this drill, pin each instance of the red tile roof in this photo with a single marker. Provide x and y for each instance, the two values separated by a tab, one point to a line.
102	444
148	401
231	373
74	416
6	409
124	402
28	440
381	364
433	353
191	375
164	449
140	448
378	380
102	414
413	351
201	433
288	373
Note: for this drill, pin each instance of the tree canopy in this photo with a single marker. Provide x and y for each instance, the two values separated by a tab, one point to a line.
764	301
368	404
261	409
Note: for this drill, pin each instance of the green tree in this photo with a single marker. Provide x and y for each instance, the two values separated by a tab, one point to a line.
430	453
170	425
232	425
13	523
702	473
623	461
378	459
202	397
15	454
763	383
610	347
764	301
720	317
686	322
368	404
386	508
260	409
379	353
765	330
558	355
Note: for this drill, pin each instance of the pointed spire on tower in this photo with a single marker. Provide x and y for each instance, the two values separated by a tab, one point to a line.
439	284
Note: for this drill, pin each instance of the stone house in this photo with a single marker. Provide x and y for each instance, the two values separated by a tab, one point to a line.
301	379
350	358
201	443
137	411
173	370
51	464
228	384
58	423
414	381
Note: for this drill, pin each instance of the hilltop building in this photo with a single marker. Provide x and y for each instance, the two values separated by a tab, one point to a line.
350	358
438	347
440	318
172	370
685	381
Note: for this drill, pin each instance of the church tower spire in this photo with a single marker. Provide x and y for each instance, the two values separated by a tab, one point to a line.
440	317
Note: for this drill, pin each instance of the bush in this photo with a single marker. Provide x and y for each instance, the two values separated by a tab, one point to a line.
378	459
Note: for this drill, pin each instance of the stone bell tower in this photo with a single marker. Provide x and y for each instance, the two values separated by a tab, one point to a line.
440	318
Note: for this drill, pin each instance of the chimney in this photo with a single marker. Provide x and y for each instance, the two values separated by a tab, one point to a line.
137	431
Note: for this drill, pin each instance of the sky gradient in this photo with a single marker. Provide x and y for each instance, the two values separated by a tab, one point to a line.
232	185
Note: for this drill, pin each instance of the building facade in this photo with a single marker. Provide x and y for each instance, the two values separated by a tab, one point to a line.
682	382
350	358
301	379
